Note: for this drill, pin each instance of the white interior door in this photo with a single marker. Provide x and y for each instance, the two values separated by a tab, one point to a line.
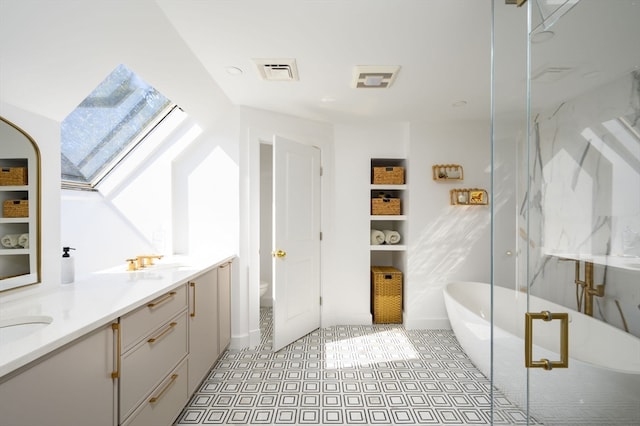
296	241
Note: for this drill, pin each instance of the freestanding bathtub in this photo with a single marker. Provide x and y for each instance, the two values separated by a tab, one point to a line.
601	385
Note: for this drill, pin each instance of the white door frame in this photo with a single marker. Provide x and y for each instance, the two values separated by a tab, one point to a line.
255	127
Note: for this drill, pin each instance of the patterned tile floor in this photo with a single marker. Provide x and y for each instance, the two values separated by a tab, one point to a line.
378	374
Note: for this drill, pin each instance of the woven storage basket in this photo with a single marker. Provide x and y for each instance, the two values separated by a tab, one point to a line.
383	206
388	175
386	295
13	176
15	208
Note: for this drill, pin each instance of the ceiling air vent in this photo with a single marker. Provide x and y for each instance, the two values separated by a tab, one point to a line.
374	76
277	69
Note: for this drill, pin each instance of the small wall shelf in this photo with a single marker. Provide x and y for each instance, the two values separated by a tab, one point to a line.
443	172
389	247
469	197
381	217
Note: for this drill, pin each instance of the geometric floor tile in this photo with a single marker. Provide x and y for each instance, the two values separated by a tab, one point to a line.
374	374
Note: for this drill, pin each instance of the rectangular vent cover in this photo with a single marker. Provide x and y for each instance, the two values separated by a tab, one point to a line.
374	76
277	69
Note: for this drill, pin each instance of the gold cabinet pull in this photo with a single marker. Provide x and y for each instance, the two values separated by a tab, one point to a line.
162	333
155	399
564	340
116	330
161	300
193	286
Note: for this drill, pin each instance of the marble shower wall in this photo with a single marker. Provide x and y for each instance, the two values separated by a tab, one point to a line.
581	198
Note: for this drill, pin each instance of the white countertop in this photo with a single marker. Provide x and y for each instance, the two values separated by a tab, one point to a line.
86	305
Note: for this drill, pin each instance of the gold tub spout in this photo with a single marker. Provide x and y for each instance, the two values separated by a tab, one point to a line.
589	289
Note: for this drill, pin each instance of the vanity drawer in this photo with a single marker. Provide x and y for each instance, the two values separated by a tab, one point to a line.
141	321
147	363
165	402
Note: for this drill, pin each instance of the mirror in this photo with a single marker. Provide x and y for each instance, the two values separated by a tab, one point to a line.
20	203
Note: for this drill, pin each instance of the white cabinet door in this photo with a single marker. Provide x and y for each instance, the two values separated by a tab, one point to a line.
203	326
72	386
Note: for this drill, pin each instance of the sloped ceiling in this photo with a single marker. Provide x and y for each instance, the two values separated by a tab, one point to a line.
53	53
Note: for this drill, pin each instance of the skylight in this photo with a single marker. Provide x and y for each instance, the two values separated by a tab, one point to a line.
107	125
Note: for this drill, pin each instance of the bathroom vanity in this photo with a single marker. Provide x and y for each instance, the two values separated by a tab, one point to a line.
120	348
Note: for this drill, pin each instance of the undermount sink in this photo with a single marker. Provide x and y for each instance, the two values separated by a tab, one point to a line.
163	266
13	329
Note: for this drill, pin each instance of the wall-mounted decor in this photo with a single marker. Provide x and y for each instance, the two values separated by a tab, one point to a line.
466	196
447	172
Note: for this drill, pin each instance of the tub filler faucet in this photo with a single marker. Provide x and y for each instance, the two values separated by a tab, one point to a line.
587	288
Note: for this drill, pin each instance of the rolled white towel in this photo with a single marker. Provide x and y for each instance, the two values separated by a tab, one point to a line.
377	237
391	237
10	240
23	240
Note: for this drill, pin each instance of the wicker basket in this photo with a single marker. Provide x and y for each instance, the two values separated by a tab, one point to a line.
388	175
386	295
13	176
15	208
385	206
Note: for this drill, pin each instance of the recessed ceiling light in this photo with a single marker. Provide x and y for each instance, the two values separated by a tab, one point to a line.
459	104
234	70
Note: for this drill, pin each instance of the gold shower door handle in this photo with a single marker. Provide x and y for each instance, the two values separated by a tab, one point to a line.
564	340
279	253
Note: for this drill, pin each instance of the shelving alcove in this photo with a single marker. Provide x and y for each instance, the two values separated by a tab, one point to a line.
388	180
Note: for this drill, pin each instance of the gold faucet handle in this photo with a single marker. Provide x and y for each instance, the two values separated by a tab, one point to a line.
132	264
598	290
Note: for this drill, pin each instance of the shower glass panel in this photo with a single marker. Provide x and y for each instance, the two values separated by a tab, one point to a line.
573	147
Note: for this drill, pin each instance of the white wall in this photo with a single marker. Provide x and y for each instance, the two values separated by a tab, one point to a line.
185	189
346	273
446	243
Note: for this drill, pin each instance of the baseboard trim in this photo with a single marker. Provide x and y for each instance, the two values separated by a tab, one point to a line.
427	324
331	319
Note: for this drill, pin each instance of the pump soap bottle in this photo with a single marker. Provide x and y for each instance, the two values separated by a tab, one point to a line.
68	267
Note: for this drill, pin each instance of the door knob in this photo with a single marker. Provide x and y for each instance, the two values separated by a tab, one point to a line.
279	253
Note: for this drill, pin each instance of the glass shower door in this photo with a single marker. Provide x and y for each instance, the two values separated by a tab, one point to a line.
574	149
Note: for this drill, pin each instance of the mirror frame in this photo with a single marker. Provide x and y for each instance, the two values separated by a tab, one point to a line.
15	282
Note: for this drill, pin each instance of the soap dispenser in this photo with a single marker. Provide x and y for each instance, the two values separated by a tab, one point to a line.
68	267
